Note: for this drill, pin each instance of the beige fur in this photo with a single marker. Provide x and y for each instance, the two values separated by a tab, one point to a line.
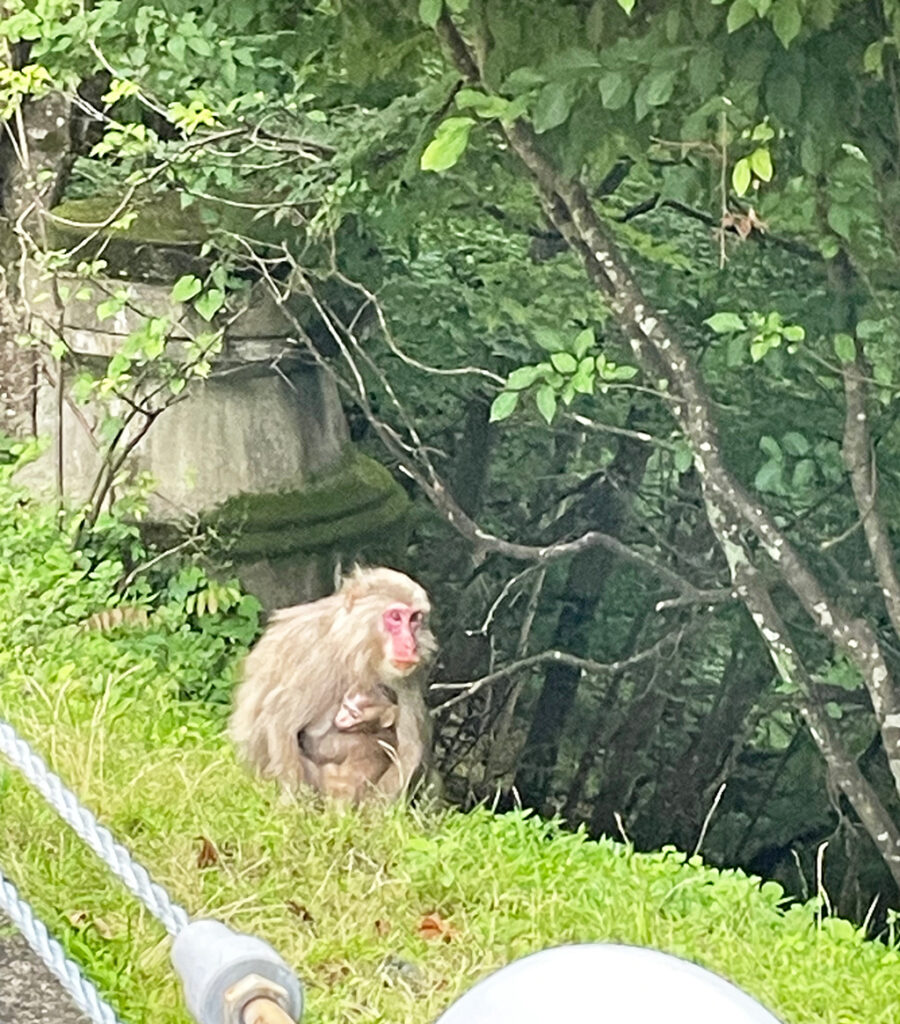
310	657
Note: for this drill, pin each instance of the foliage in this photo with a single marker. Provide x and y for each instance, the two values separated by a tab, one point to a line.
741	156
198	625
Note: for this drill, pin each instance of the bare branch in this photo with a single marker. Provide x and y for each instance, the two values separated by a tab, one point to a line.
660	351
587	665
412	456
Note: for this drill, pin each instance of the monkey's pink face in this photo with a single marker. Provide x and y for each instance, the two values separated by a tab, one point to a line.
401	624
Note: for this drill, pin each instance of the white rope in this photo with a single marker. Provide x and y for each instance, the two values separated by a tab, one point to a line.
83	993
97	836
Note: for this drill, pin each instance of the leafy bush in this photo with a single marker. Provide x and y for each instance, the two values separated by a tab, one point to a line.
387	913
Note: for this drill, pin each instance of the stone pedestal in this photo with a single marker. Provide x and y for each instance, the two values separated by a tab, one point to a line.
260	449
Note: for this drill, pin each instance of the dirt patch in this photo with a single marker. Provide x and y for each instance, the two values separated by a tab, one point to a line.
29	994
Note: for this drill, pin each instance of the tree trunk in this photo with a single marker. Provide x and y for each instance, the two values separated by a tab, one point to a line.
604	508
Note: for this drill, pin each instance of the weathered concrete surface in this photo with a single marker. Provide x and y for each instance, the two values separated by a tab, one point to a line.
29	994
261	446
260	450
265	419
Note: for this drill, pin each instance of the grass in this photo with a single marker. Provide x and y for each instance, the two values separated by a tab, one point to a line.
387	913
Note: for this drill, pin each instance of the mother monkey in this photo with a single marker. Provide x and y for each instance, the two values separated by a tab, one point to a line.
371	632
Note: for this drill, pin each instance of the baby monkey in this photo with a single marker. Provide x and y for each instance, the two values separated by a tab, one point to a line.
349	756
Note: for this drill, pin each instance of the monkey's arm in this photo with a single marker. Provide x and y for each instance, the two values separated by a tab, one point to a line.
413	744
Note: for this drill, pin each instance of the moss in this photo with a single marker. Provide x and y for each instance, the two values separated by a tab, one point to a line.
159	220
160	244
357	503
162	241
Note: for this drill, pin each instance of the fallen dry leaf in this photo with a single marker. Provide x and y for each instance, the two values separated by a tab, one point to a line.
433	926
298	910
81	919
208	856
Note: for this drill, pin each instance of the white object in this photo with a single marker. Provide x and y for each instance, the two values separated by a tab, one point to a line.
605	983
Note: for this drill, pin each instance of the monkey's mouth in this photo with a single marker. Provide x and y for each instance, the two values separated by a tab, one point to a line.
405	663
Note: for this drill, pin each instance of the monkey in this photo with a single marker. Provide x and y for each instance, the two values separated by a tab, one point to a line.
368	711
358	746
372	631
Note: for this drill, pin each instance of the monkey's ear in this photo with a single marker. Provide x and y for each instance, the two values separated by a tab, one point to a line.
354	586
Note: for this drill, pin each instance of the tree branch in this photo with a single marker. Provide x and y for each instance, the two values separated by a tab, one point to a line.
661	353
560	657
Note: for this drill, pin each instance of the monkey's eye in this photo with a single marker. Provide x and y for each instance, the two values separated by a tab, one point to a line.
416	619
393	615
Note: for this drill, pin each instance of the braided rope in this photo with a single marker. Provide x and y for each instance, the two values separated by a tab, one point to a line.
84	994
116	857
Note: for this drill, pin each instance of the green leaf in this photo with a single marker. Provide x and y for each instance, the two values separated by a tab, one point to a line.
550	339
615	90
583	343
524	377
554	103
804	474
741	176
153	338
864	329
794	332
740	12
705	71
483	104
684	457
82	387
771	447
795	443
186	288
524	79
503	405
736	350
118	365
583	381
786	21
210	303
563	362
660	88
761	163
621	373
725	323
200	45
626	5
546	402
430	11
840	219
873	59
448	145
176	46
110	307
845	348
759	347
769	478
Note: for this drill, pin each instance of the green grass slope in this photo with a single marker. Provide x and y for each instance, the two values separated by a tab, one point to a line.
387	914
